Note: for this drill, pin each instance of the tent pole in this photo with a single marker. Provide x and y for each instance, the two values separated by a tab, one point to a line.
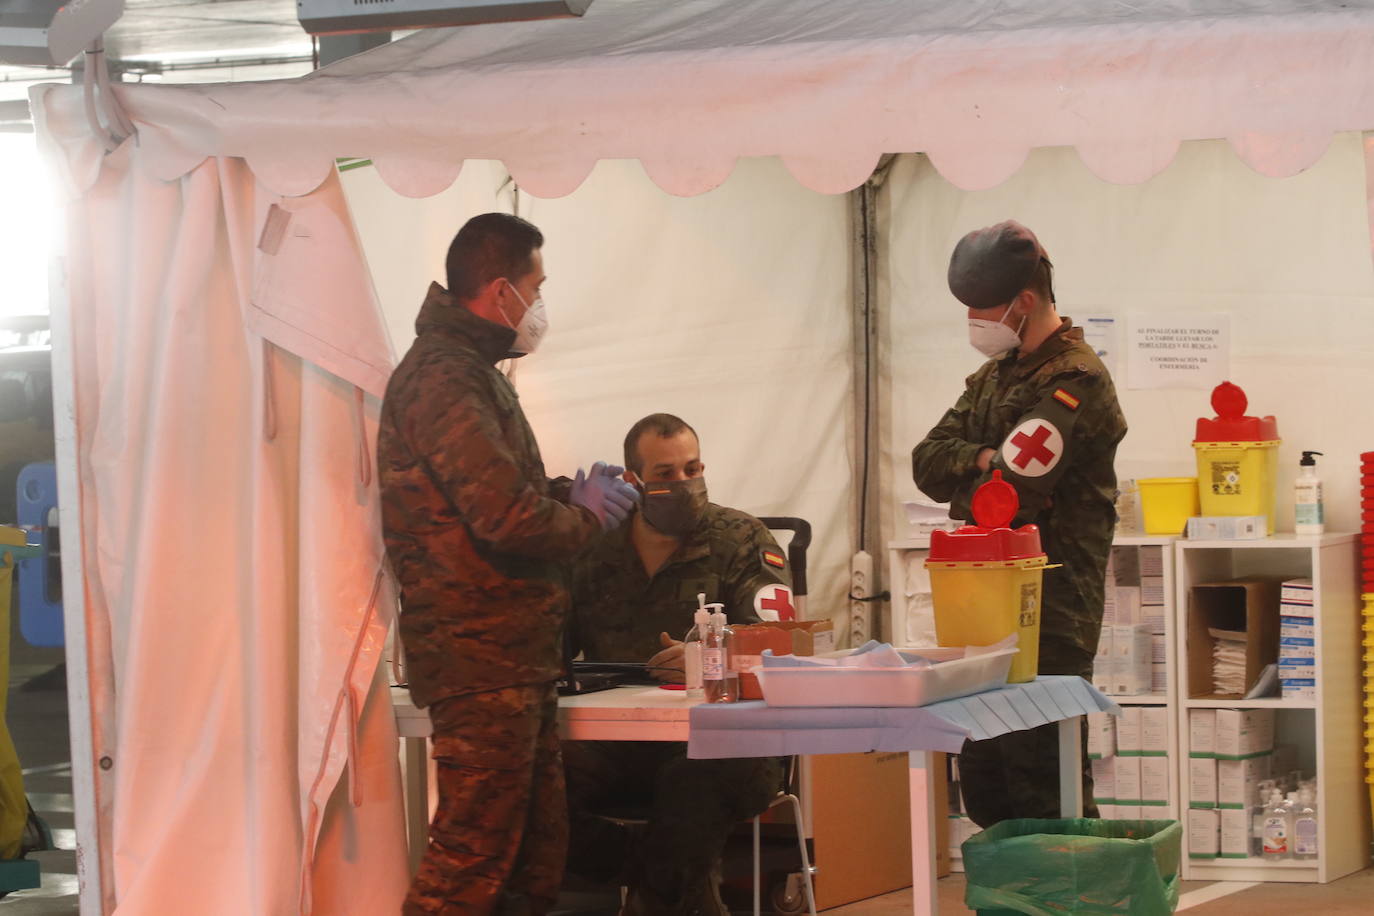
92	858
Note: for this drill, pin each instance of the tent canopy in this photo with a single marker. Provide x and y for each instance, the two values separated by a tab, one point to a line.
689	87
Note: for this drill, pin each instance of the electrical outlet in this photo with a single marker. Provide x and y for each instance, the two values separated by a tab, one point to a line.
861	585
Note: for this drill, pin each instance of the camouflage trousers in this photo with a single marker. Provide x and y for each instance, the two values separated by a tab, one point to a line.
498	839
691	807
1017	774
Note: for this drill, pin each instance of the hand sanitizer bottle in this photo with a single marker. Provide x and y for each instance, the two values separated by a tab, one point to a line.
1305	827
719	680
1308	515
691	649
1275	829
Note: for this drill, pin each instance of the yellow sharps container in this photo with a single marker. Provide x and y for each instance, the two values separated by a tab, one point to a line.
985	579
1237	458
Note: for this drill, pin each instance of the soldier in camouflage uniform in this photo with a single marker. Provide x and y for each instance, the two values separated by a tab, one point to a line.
479	540
1044	412
634	595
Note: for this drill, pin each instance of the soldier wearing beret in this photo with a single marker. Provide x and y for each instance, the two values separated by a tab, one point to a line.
1044	412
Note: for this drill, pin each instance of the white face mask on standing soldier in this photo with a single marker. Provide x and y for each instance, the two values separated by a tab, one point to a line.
533	325
995	339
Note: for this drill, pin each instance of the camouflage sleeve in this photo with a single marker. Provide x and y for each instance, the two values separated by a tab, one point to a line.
456	435
945	459
756	577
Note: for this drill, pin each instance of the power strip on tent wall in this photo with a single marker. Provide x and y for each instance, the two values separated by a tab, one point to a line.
861	585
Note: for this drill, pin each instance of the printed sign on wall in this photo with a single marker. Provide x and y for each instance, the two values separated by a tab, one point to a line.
1185	350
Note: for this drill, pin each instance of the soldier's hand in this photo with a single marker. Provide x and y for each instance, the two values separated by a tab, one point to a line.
602	491
984	459
668	666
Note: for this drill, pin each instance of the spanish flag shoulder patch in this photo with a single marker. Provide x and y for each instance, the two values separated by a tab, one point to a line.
774	559
1063	397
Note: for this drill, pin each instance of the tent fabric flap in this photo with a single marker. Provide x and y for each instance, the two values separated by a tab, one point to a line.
688	88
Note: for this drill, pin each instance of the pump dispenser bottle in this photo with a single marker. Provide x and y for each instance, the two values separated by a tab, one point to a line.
691	648
1305	827
1276	828
1308	512
719	679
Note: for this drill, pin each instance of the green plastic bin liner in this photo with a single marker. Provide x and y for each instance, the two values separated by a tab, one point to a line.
1078	865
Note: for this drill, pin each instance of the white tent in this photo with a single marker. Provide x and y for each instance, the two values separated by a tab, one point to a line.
223	348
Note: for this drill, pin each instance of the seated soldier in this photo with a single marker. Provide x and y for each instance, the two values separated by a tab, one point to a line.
633	596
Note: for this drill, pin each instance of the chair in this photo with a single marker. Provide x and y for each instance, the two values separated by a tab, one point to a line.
786	796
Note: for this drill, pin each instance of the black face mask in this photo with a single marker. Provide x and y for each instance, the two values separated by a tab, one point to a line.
674	506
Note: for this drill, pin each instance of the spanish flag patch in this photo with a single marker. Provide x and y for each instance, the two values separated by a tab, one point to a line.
1063	397
774	559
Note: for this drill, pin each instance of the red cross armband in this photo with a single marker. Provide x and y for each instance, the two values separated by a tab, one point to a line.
1037	451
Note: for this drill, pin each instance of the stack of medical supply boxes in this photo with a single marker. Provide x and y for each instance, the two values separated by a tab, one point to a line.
1229	752
1130	762
1132	649
1297	641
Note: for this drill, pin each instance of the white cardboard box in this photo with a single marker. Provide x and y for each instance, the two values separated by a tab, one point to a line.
1297	669
1159	678
1297	591
1297	647
1204	834
1238	780
1227	527
1154	730
1104	782
1235	833
1151	590
1154	780
1202	732
1128	731
1107	812
1128	605
1299	689
1101	735
1244	732
1131	660
1202	782
1301	627
1127	773
1151	560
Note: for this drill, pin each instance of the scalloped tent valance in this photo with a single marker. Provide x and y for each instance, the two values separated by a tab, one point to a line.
689	87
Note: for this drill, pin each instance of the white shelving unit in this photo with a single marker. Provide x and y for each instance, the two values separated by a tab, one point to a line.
1326	731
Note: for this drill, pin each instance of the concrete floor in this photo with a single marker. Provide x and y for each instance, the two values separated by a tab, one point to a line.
38	724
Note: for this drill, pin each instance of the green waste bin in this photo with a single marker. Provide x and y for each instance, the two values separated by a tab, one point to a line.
1079	865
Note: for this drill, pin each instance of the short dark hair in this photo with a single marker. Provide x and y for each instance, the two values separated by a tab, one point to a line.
488	247
664	424
1042	281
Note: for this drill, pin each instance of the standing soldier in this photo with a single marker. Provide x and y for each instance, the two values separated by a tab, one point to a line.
1043	411
478	539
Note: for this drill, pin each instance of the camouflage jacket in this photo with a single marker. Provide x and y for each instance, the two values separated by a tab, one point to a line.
1065	477
619	609
476	540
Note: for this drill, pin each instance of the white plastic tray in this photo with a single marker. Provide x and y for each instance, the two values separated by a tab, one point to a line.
827	686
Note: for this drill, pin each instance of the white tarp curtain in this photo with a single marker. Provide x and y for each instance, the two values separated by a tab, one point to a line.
235	604
730	309
1287	259
689	87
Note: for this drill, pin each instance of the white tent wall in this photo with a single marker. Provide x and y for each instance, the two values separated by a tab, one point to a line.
1288	259
730	309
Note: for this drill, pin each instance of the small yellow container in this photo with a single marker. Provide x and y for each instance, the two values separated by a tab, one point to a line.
1166	503
1237	458
981	603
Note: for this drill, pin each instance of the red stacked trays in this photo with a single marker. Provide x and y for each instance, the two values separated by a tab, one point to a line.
1367	523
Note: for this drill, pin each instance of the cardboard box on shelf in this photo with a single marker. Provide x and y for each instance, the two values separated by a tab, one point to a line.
1227	527
1125	563
1152	590
1159	648
1153	619
1108	811
1304	688
1249	605
1154	731
1128	606
1235	833
1104	781
1126	771
1244	733
1238	780
1109	603
1202	732
1127	812
1297	591
1101	730
1297	669
1150	558
1204	834
1130	668
1154	780
1202	782
1128	737
1297	647
1296	627
1159	677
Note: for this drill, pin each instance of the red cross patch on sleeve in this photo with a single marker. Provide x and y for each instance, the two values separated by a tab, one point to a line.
1063	397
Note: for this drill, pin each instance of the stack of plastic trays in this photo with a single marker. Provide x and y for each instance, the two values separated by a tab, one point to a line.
1367	590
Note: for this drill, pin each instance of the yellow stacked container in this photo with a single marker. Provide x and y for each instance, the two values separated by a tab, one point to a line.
985	579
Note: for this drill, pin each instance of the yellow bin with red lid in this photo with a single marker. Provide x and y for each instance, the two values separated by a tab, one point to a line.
1237	458
985	579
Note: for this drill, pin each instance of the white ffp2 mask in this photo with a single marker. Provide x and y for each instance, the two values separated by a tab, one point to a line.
994	339
534	324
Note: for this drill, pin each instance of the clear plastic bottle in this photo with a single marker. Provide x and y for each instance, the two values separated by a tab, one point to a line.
1266	789
1308	513
691	650
1305	827
1276	829
719	680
